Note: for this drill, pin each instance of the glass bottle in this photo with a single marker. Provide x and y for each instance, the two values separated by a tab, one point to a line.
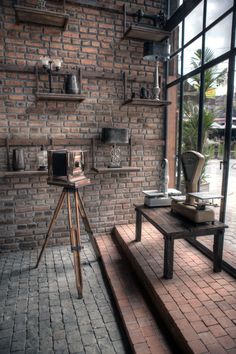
42	158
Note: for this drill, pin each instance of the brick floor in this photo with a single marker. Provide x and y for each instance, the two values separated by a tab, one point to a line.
198	304
40	311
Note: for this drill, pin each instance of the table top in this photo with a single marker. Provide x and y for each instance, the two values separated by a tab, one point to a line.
174	225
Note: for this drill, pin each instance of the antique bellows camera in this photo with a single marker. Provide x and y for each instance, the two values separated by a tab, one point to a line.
66	167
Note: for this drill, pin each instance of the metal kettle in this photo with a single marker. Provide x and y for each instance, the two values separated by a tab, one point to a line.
18	160
71	84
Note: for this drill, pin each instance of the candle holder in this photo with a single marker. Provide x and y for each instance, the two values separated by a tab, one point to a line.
51	65
157	52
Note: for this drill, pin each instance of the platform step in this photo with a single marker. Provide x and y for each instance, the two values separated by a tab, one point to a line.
144	335
197	305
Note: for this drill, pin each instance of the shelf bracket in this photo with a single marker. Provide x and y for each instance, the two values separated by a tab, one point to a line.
125	85
124	19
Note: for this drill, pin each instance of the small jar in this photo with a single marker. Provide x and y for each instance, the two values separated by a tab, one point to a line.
42	159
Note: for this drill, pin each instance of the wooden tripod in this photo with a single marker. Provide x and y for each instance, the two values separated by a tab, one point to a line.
74	231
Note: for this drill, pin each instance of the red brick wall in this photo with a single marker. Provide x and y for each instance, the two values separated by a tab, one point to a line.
92	41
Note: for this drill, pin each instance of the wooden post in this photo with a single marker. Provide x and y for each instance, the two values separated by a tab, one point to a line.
37	77
80	81
8	155
124	18
138	226
125	86
93	154
130	151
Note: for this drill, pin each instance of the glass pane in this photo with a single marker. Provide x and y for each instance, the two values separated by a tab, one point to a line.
193	23
214	123
216	8
190	113
174	68
176	38
190	53
218	38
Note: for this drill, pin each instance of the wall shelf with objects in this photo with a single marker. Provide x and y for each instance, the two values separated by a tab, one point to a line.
41	15
140	101
21	143
115	137
73	92
141	31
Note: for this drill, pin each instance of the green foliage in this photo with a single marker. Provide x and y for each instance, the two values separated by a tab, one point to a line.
190	126
213	77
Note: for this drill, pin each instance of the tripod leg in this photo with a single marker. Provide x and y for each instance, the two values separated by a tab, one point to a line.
86	224
75	248
58	208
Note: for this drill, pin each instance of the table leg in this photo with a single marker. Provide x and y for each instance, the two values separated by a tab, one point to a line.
138	226
218	250
168	257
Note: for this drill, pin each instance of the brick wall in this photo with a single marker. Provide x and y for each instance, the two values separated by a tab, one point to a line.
93	42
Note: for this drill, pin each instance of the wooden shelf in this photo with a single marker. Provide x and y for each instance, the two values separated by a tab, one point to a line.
145	33
119	169
41	17
22	173
145	102
47	96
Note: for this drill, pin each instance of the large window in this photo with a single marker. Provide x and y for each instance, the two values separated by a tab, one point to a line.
202	70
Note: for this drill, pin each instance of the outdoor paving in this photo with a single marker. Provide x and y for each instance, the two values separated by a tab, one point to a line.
214	176
41	313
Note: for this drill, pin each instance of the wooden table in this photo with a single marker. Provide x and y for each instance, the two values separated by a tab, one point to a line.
173	227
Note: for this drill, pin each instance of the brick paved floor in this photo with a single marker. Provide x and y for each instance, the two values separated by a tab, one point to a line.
197	302
40	311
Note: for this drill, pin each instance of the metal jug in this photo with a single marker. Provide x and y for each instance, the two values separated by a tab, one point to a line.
18	160
71	84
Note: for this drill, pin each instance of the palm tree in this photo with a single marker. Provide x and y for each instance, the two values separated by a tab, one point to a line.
213	77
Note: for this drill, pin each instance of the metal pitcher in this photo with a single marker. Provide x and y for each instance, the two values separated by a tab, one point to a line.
71	84
18	160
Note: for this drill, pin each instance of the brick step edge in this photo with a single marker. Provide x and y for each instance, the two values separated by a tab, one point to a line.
140	325
159	307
